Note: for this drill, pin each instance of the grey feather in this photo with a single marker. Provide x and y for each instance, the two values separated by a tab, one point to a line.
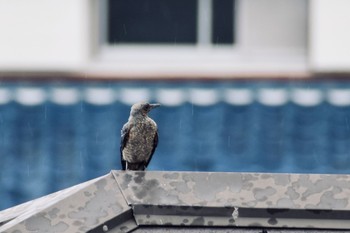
139	138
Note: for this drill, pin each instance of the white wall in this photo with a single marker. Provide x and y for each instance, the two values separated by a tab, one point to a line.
43	34
53	35
329	42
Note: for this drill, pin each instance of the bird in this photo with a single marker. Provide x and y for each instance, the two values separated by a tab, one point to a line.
139	138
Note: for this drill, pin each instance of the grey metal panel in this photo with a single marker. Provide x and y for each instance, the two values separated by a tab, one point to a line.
227	230
258	190
237	199
37	204
125	200
80	209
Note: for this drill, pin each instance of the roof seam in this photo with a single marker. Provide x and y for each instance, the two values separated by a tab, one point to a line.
120	188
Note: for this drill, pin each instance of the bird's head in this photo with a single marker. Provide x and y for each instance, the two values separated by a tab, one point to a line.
142	109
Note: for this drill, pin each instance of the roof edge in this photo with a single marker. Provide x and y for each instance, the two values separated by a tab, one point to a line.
126	200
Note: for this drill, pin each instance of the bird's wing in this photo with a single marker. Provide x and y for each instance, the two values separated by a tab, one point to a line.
155	144
124	139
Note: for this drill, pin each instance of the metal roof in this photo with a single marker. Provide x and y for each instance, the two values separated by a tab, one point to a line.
124	201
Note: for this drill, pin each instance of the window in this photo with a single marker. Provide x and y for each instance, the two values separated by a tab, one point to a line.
171	22
201	38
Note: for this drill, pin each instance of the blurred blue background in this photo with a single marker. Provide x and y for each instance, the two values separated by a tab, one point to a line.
245	86
55	135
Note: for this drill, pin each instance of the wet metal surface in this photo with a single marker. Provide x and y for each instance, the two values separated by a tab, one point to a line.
123	201
227	230
258	190
77	209
237	199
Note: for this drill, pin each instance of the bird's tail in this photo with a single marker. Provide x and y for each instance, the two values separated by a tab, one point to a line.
135	166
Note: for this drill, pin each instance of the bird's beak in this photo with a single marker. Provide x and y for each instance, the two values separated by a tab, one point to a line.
154	106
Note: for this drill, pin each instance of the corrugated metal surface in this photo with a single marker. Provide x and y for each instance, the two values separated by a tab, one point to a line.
55	135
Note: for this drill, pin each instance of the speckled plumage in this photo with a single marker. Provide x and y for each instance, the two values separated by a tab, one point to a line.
139	138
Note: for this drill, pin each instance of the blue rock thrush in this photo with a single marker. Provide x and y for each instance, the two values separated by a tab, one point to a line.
139	138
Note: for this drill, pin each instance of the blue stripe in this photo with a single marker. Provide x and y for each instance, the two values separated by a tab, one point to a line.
50	143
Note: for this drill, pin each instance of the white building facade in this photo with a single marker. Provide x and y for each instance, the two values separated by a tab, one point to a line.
270	37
